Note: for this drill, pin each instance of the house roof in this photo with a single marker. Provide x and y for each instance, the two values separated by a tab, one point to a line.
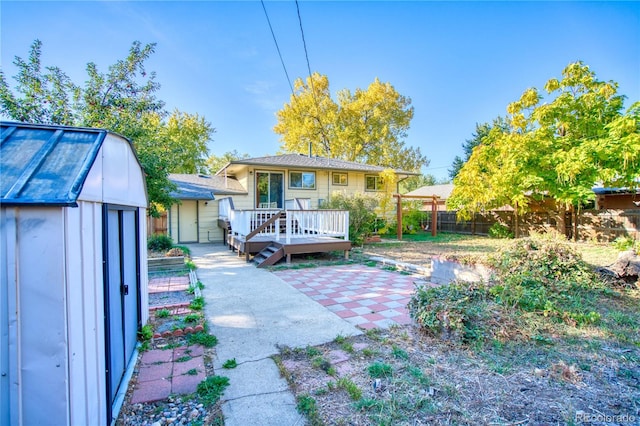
203	187
45	164
301	161
441	191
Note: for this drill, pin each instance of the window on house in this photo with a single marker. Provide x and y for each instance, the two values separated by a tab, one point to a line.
340	179
373	183
302	180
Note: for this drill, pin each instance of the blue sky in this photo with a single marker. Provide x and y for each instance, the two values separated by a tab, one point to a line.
461	63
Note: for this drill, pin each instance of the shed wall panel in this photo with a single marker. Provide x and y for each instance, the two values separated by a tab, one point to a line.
7	281
86	313
123	182
144	270
41	318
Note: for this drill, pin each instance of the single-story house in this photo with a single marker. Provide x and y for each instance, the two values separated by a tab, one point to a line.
288	181
442	192
73	273
606	198
616	198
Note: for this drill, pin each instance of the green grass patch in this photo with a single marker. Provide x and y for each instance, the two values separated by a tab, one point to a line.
380	370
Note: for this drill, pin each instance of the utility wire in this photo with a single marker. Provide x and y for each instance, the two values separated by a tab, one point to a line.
313	90
278	47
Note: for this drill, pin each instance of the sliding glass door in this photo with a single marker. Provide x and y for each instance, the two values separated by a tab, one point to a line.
269	190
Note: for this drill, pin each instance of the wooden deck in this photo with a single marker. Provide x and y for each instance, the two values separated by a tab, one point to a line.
296	245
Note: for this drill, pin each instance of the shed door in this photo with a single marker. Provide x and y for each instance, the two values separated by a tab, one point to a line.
188	221
121	292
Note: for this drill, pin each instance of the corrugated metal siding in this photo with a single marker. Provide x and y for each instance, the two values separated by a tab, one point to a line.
85	314
37	317
6	276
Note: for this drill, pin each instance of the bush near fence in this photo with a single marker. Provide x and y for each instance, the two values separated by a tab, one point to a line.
593	225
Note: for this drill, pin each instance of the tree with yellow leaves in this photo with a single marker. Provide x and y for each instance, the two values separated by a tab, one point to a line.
366	126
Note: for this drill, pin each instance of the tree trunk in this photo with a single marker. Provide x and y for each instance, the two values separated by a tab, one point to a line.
516	226
560	220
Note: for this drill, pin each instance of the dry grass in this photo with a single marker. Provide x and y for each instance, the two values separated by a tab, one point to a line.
442	384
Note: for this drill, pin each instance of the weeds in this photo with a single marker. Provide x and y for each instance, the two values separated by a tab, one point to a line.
355	393
163	313
197	304
211	389
202	338
230	363
379	370
307	405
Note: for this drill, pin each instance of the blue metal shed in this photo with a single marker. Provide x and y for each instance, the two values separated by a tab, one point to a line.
73	272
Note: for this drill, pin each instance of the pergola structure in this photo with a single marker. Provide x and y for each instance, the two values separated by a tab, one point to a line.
434	211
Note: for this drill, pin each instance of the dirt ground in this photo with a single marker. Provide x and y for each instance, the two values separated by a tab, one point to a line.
427	380
430	382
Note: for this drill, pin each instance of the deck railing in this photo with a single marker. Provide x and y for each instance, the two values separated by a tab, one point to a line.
225	207
293	224
317	223
244	222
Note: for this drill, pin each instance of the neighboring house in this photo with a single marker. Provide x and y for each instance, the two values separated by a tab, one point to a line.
616	198
289	181
443	192
606	198
73	276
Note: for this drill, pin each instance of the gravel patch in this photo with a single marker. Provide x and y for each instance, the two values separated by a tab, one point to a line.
169	298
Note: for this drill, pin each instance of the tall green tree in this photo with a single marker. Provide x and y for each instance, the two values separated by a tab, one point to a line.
559	149
216	163
482	130
367	126
121	100
44	96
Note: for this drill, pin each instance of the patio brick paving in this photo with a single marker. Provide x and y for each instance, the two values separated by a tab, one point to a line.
365	296
162	284
160	373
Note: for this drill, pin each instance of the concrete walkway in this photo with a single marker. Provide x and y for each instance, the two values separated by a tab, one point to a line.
252	312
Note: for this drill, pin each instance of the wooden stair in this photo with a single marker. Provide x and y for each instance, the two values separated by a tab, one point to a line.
270	255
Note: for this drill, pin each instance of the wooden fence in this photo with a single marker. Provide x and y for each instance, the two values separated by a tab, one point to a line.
599	225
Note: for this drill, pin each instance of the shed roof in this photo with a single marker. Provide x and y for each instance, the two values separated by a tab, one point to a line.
302	161
45	164
204	187
52	165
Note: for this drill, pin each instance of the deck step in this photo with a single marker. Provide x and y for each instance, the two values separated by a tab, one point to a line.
270	255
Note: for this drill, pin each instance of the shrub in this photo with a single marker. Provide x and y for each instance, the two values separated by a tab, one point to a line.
159	242
547	276
413	220
362	219
455	311
498	230
623	243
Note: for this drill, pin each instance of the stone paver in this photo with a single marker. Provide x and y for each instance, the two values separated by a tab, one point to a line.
162	284
160	373
365	296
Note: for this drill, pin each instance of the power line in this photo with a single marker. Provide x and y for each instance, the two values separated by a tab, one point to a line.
278	47
306	53
313	89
